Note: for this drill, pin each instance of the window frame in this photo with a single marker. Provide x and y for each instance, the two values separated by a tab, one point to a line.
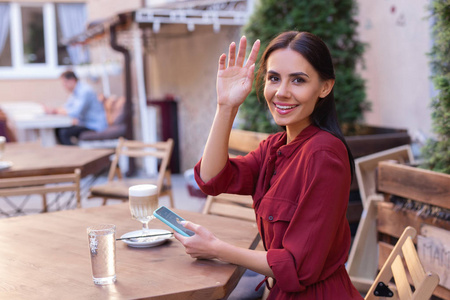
20	69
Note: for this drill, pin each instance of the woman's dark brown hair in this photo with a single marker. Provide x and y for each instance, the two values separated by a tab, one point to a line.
314	50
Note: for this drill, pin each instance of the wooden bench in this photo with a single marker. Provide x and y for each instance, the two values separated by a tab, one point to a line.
405	194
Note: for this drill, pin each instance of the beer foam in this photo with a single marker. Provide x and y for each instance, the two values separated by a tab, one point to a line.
142	190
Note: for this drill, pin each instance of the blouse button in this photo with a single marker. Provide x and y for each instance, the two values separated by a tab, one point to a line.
274	172
279	152
270	218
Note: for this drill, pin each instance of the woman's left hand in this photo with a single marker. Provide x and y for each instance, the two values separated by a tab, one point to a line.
202	245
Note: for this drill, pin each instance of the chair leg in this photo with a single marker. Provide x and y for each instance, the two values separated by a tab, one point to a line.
172	204
168	178
44	203
104	201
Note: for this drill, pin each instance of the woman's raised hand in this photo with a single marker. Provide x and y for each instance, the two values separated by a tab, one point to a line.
234	82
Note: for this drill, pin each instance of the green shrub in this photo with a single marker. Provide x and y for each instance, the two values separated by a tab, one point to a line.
437	152
334	22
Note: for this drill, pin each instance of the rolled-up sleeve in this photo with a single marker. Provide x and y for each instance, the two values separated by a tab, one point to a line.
239	176
312	243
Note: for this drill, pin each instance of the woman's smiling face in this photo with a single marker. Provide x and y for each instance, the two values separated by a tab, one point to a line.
292	89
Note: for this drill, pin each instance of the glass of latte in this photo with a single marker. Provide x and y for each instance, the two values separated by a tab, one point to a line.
143	200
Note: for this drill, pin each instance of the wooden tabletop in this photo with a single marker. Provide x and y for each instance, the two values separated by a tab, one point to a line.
32	159
46	256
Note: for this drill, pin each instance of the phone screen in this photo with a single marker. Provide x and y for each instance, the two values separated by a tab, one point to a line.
172	219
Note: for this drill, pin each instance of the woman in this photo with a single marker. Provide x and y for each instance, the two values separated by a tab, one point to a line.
299	179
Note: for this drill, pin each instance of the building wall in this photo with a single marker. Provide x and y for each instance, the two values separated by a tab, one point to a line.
397	67
185	65
46	91
103	9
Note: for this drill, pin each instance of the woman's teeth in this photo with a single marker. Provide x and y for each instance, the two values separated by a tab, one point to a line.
284	107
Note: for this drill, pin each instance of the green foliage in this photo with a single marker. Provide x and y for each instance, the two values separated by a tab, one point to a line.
330	20
437	153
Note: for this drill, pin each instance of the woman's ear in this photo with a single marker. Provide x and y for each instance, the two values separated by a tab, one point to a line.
326	87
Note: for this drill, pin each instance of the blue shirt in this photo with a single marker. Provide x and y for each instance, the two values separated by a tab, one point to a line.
84	106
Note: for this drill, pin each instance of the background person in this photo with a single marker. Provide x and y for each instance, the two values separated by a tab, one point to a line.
83	106
299	179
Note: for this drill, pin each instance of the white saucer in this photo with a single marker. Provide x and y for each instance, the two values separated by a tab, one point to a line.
147	242
5	164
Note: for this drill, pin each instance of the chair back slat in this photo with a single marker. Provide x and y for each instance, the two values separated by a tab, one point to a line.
413	262
230	205
41	185
243	142
132	144
36	180
161	151
239	199
427	287
401	280
144	153
234	211
36	190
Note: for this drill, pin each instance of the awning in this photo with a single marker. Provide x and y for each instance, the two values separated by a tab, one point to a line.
207	12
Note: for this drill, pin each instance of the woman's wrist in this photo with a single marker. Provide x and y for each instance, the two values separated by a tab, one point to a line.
220	249
224	111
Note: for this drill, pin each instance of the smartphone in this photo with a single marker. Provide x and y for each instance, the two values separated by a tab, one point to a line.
173	220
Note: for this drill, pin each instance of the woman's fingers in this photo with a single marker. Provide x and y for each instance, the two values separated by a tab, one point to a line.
189	225
232	55
239	61
222	60
254	53
241	52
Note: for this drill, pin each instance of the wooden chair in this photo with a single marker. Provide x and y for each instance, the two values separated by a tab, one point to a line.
42	185
424	283
242	142
230	205
118	188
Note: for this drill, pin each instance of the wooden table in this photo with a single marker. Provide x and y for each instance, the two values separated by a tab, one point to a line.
32	159
46	256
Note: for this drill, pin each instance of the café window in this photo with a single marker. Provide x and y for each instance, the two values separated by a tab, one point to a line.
32	35
5	36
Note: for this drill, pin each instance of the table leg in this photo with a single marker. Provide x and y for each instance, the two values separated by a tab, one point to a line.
48	137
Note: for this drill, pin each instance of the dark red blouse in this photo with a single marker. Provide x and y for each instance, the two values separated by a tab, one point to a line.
300	195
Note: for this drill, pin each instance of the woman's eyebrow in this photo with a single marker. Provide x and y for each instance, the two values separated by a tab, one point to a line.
298	74
290	75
